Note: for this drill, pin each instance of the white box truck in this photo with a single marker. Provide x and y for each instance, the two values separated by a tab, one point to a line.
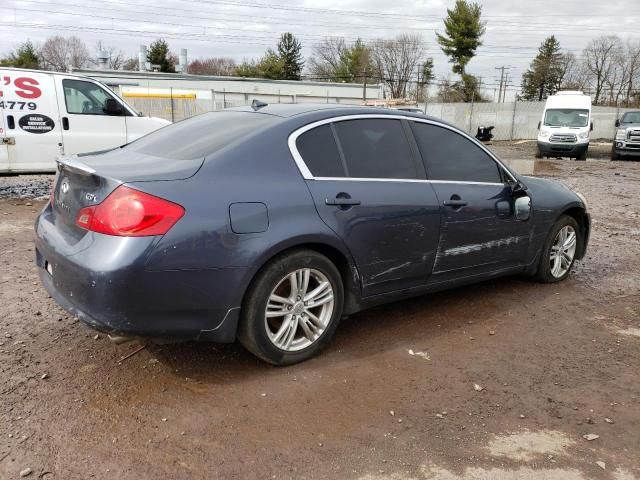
47	114
565	126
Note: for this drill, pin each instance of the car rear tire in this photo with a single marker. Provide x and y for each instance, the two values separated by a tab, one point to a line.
559	251
292	308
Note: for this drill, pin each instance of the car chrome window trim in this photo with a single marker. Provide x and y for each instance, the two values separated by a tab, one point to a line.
401	180
307	175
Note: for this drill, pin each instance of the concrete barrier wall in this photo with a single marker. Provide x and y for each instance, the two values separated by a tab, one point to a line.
515	120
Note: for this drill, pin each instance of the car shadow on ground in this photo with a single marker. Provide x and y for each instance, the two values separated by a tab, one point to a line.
405	324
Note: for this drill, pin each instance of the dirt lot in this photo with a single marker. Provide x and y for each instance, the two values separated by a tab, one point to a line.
552	363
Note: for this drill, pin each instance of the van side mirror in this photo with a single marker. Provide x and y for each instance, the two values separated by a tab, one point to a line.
591	128
539	123
112	107
617	122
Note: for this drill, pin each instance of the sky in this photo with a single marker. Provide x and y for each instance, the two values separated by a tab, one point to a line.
246	28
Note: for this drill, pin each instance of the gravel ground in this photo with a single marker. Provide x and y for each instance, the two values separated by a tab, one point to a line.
511	376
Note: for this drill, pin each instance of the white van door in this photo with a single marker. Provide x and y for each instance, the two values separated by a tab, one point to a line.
92	117
31	129
4	142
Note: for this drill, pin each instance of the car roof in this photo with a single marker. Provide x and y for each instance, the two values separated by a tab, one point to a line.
287	110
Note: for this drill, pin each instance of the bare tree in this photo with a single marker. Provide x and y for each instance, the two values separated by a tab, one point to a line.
396	60
575	75
130	64
600	60
60	53
336	61
223	66
116	56
326	58
633	68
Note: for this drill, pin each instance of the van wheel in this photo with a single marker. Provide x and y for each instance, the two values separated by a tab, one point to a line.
582	156
538	153
292	308
559	251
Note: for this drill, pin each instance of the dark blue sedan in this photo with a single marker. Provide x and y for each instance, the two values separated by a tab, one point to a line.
269	224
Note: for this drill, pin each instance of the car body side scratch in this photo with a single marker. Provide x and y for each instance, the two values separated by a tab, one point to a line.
476	247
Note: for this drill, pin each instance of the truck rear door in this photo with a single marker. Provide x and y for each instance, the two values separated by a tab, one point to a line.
90	117
30	122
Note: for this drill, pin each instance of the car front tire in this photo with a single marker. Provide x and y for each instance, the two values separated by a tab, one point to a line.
292	308
559	251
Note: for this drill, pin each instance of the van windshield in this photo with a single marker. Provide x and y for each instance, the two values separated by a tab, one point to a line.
566	117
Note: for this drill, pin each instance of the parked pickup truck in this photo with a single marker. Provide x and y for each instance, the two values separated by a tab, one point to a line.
47	114
627	141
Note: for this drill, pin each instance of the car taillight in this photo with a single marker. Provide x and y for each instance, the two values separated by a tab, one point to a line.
130	213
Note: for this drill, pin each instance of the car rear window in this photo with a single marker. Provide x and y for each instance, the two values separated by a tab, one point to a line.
199	136
320	153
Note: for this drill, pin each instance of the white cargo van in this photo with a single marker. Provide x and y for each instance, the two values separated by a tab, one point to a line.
565	126
47	114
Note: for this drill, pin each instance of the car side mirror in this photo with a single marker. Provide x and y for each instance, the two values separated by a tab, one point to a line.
522	208
591	128
112	107
617	122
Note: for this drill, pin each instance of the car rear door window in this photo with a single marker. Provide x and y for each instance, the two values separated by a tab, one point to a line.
318	149
376	148
453	157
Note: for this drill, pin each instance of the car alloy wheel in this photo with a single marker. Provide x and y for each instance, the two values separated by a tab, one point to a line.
299	309
563	251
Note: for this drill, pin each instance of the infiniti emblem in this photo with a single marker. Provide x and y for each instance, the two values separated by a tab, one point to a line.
64	187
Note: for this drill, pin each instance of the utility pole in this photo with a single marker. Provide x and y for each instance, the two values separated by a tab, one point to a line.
364	86
502	89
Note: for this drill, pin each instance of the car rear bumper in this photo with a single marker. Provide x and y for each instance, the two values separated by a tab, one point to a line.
563	149
128	299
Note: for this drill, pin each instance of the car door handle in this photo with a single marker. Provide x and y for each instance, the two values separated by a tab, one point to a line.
454	203
342	202
65	123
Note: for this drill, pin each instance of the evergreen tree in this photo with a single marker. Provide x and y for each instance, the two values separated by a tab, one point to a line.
545	72
463	29
158	54
289	50
25	56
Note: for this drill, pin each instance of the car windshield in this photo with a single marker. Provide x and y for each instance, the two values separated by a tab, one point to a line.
631	117
566	117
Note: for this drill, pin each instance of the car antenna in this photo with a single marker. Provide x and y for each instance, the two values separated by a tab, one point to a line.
257	104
